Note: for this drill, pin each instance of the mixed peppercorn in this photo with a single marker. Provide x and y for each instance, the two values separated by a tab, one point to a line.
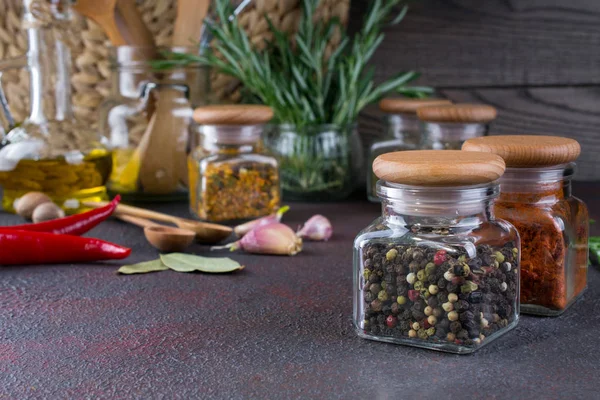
438	295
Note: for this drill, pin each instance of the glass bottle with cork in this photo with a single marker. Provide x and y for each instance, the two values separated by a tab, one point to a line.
231	175
447	127
536	197
402	131
51	151
437	270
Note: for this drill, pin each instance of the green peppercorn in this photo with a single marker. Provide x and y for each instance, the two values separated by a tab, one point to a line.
365	323
418	285
411	278
422	333
430	331
401	300
515	251
462	258
421	275
376	305
466	269
428	311
383	296
499	256
429	268
433	289
390	255
468	287
366	274
425	293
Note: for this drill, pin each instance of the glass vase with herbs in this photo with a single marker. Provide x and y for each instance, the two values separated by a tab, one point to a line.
315	87
51	151
403	132
536	198
231	175
437	269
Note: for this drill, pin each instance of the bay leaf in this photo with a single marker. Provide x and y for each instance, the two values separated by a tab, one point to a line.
181	262
143	267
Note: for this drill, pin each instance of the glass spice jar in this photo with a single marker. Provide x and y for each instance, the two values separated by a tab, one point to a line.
447	127
437	270
231	175
554	226
402	132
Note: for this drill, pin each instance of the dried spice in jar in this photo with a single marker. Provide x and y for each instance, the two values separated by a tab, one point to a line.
231	176
437	270
403	131
446	127
536	198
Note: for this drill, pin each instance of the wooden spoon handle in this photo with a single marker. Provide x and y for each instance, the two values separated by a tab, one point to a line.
123	209
141	222
131	25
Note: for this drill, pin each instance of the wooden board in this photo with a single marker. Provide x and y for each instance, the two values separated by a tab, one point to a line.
571	112
474	43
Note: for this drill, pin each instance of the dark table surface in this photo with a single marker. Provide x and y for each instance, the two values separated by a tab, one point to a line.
278	329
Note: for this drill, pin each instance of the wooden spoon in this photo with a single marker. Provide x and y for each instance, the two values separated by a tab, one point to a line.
205	232
132	26
164	238
189	21
103	13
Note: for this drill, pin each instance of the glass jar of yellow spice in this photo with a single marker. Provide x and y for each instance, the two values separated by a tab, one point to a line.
231	176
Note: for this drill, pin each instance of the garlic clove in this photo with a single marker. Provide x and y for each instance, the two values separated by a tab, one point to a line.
317	228
25	205
274	239
47	212
243	229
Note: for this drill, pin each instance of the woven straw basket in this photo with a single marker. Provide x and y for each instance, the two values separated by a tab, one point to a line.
90	79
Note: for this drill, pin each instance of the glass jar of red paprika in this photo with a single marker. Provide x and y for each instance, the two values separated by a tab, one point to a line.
437	270
536	198
402	132
446	127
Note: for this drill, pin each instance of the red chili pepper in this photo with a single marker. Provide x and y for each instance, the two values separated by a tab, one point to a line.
71	225
23	247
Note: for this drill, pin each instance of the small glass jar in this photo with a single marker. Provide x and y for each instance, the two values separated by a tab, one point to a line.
437	270
403	132
554	225
231	175
448	127
148	115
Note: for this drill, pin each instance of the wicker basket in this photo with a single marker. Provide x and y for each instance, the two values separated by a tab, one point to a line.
90	80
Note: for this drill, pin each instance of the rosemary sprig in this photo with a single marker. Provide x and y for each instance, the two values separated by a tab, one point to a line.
300	77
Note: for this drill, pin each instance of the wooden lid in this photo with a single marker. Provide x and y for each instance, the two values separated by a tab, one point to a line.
527	150
462	113
233	115
438	167
408	106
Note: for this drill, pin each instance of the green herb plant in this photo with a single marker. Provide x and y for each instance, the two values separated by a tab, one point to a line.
306	80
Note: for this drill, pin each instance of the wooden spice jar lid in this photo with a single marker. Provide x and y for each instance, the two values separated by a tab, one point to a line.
233	115
409	106
461	113
438	167
527	150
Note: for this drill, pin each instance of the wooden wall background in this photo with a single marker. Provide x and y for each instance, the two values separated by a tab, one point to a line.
537	61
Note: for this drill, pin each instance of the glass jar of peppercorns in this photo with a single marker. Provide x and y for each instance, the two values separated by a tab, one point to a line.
231	175
446	127
403	131
437	270
554	225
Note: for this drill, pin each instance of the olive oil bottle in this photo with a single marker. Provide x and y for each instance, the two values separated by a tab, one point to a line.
51	151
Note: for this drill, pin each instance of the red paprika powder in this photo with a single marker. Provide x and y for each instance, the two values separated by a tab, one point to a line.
536	198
